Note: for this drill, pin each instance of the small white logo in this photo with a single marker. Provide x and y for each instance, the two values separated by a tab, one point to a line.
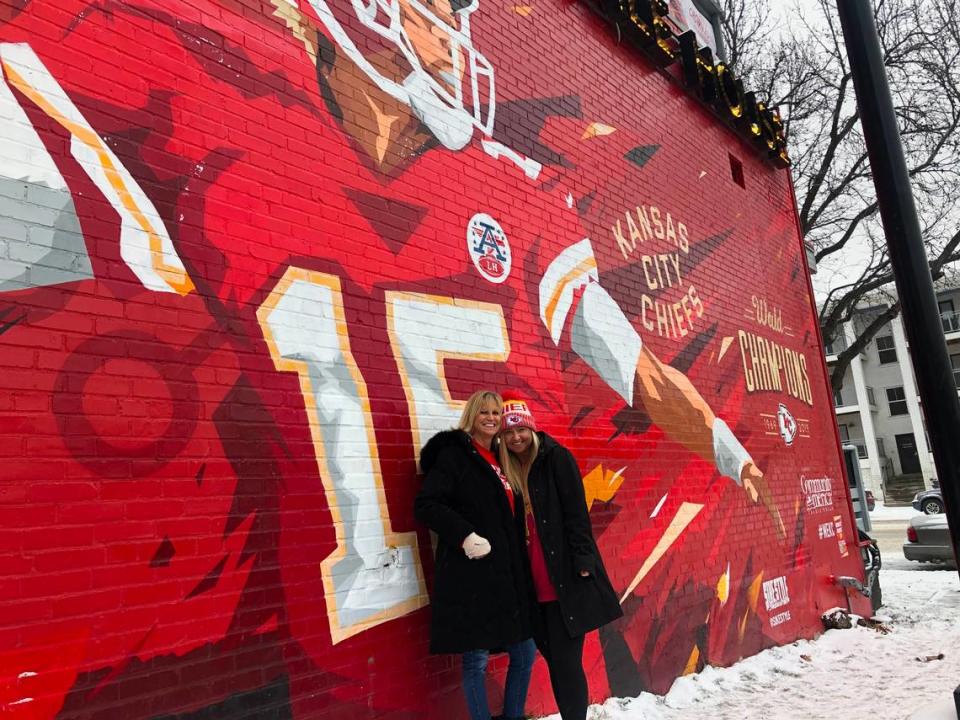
786	424
488	248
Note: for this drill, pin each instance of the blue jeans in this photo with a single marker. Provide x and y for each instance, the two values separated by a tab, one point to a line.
522	655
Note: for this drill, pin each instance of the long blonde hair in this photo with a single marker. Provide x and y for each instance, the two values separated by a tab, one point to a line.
517	469
474	405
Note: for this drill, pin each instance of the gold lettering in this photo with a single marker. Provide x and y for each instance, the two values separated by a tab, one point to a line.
663	319
635	236
625	248
678	319
657	224
644	221
747	367
646	262
646	302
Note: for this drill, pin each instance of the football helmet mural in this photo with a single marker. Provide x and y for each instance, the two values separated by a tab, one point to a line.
446	81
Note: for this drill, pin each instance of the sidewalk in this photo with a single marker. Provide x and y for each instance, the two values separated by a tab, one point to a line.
890	513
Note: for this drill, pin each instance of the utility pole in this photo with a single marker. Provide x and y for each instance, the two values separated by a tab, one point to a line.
911	269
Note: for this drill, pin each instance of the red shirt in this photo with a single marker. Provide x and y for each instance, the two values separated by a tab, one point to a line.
538	564
494	463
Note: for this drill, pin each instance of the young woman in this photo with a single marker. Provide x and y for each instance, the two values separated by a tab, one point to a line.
573	592
482	595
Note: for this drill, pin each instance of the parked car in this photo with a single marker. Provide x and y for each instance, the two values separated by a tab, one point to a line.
871	501
928	540
929	502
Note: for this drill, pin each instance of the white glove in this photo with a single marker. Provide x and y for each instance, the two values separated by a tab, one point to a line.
476	547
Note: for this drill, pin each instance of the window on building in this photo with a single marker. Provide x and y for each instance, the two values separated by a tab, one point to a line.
836	343
955	362
886	350
838	396
880	451
845	433
897	400
871	397
948	316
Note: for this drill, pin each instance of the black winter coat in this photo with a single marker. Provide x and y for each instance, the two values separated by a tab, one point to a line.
563	524
482	604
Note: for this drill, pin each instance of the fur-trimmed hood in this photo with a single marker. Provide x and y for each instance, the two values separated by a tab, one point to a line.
440	442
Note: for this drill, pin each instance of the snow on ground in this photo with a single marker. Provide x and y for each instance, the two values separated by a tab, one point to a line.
883	513
859	672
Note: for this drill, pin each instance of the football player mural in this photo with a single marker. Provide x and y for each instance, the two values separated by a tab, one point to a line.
254	255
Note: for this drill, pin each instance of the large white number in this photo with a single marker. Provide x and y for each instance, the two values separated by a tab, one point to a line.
426	330
374	575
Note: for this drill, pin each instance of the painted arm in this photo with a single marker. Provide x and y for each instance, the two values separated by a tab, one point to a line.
603	337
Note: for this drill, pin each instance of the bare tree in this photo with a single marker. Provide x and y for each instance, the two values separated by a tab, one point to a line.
799	62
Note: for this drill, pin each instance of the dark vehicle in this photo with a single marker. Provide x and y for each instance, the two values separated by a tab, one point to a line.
929	502
928	540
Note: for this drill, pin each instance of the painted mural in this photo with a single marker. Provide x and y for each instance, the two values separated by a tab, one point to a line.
253	254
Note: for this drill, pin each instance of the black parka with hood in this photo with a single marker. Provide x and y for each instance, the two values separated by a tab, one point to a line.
482	604
563	524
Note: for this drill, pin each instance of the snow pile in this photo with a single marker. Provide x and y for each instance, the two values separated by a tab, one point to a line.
891	676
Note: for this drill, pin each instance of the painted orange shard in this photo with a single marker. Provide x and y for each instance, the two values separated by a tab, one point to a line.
597	129
602	484
691	666
723	586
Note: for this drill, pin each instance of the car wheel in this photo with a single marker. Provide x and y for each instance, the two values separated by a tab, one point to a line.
932	506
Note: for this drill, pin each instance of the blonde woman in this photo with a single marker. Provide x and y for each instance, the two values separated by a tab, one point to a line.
482	595
574	594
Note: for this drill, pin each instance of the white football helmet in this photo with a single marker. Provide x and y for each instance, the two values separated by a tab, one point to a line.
441	106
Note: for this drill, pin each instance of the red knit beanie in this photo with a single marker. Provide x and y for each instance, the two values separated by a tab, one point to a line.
516	413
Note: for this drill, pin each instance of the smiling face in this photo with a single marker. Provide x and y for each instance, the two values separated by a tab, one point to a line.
487	424
518	440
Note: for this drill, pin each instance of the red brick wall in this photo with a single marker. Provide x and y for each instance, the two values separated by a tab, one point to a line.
238	291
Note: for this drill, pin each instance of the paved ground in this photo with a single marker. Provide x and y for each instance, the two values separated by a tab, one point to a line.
890	536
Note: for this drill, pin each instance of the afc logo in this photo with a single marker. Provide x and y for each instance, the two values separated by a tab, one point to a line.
488	248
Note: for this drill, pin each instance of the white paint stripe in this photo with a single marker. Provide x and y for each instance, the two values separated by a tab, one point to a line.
684	516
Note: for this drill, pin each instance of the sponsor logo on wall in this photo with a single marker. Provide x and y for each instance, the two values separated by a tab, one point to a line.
776	595
817	493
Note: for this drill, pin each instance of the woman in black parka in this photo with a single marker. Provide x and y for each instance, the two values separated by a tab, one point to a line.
573	592
482	595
